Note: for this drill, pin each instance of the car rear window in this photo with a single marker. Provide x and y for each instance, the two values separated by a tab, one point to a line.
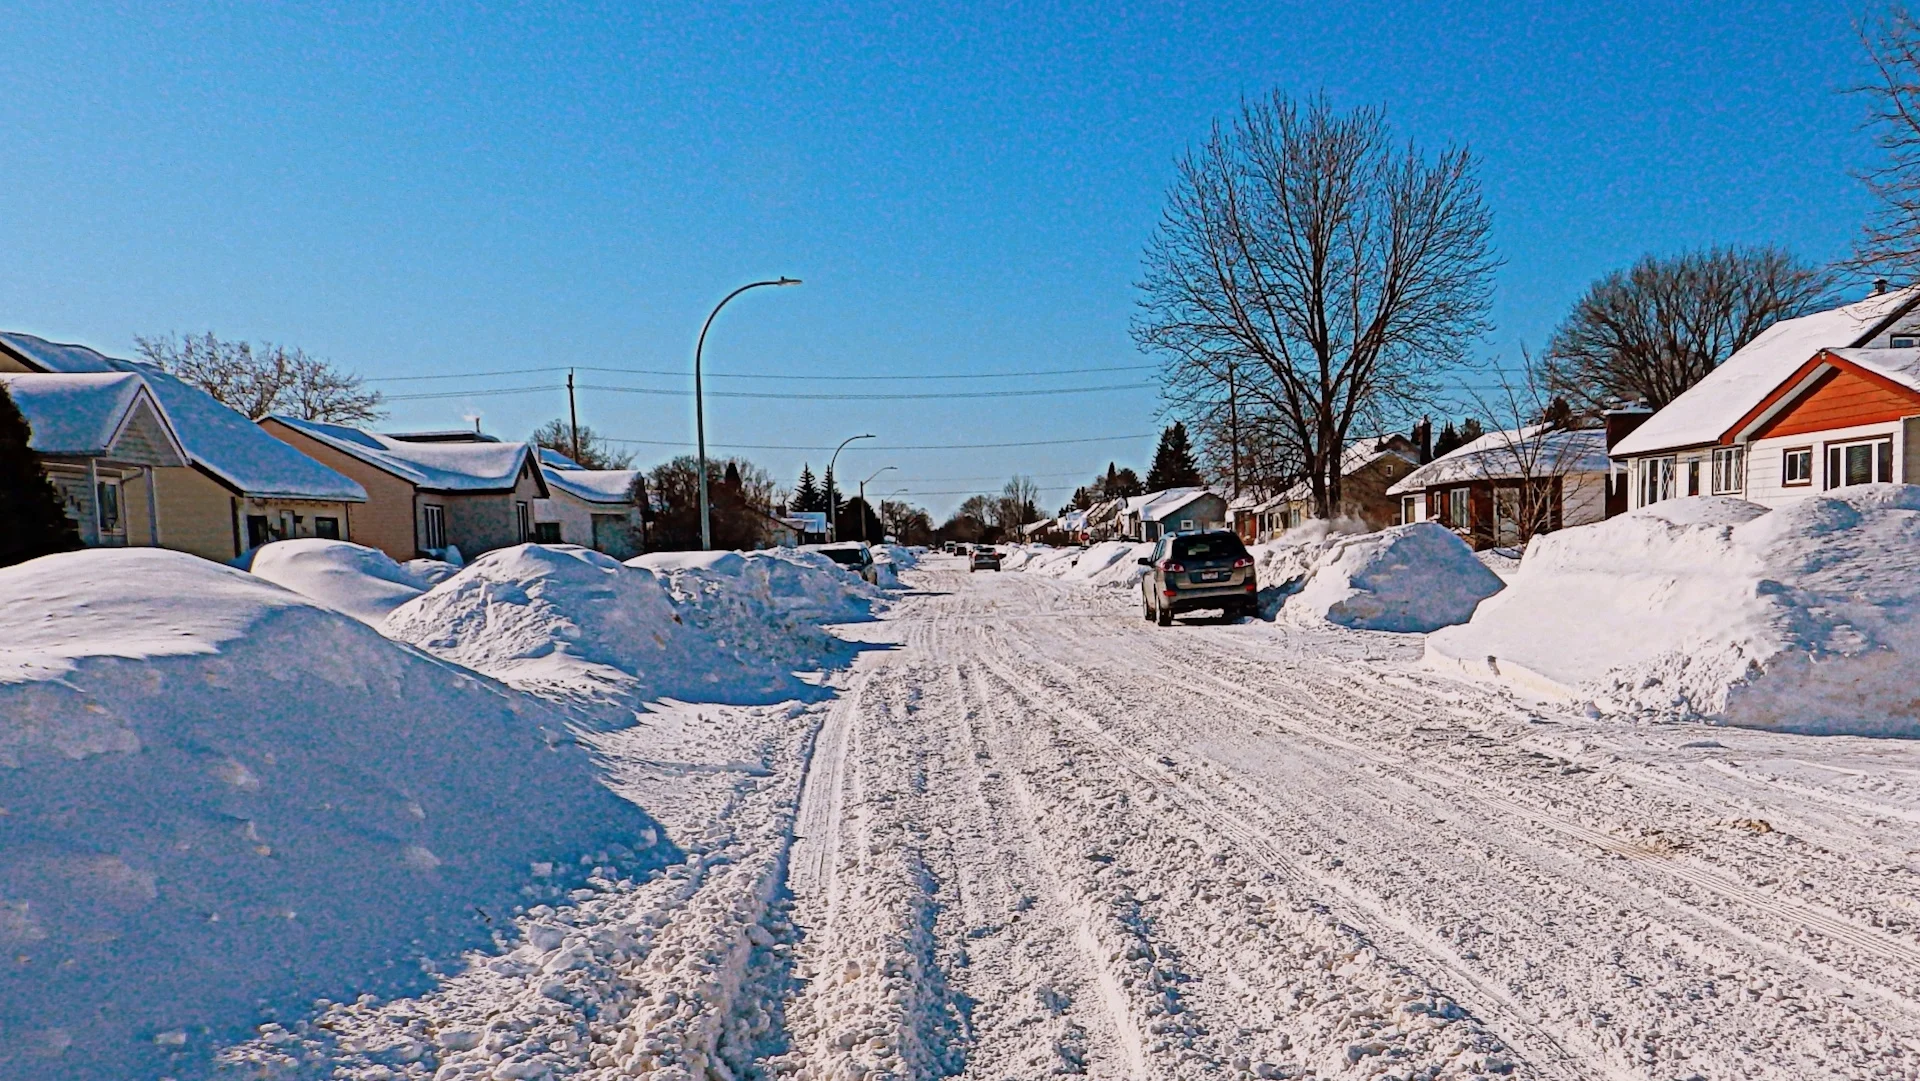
1209	546
848	556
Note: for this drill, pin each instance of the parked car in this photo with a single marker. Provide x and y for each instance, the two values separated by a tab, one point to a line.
984	558
853	555
1196	571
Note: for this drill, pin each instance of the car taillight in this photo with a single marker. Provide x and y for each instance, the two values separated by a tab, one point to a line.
1242	562
1171	567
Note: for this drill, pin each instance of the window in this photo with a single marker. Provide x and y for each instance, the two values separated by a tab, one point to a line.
1796	466
289	525
1506	516
523	518
1186	525
1656	479
1729	470
1693	477
434	521
1902	341
326	528
259	530
109	496
1408	510
546	532
1455	513
1208	546
1866	462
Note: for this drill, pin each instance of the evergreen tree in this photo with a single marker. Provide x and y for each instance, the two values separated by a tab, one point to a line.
1447	441
33	521
807	495
1173	465
1470	430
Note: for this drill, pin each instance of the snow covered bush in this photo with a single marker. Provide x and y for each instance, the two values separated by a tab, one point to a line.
1408	578
1805	618
220	795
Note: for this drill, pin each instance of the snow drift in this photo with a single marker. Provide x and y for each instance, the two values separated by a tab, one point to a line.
362	582
1805	618
583	628
1408	578
221	796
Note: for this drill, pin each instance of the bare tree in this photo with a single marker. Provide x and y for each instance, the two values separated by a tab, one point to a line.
263	379
1538	442
1649	332
1891	239
594	450
1019	503
1331	272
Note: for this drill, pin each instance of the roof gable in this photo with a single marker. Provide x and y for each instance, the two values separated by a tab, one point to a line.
96	415
1836	389
217	438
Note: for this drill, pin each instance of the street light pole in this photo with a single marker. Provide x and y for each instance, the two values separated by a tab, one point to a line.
700	406
833	530
864	509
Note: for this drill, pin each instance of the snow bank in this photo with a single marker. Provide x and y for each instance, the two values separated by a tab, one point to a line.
583	628
362	582
1805	618
221	796
1109	563
1408	578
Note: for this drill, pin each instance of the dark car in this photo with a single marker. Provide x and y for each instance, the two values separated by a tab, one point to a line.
1196	571
984	559
853	555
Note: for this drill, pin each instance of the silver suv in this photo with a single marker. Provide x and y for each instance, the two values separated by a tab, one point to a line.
1191	571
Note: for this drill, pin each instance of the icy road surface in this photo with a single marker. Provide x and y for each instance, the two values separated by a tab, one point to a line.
1034	835
1045	837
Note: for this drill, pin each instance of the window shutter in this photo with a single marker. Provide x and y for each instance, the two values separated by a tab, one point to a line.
1910	450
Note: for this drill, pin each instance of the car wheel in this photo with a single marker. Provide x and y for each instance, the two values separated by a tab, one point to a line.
1162	616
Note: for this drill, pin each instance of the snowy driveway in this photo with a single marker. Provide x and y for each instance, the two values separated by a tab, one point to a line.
1042	836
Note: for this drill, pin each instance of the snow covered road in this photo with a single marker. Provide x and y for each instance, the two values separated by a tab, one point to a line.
1041	836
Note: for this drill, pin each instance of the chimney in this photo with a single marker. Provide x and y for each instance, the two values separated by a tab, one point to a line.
1423	439
1623	419
1879	286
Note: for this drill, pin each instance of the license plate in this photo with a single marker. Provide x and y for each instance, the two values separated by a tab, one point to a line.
1212	576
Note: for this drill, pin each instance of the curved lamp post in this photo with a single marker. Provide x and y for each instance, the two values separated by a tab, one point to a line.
700	408
833	529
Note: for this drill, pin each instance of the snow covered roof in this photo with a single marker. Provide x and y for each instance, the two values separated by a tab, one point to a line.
556	460
84	414
593	485
472	466
216	437
1359	454
1900	365
1511	455
1157	505
1713	405
811	521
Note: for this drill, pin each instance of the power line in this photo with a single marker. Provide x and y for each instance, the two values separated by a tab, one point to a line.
779	396
973	491
764	375
931	446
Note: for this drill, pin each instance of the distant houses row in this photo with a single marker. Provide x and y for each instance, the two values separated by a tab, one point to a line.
1825	401
140	457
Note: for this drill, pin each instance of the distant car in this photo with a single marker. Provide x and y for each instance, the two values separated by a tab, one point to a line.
948	547
984	559
1196	571
853	555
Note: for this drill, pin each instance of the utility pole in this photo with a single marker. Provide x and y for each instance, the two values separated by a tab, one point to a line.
573	416
700	403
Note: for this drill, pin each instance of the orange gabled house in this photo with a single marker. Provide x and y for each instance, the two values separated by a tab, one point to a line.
1828	401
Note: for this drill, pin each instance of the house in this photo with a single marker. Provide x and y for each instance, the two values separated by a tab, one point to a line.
100	436
428	492
593	508
1175	510
239	488
812	525
1507	485
1825	401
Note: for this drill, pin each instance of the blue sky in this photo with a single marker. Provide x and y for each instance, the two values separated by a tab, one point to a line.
447	190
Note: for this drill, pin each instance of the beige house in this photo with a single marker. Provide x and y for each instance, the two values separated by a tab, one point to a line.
100	437
589	507
428	491
237	489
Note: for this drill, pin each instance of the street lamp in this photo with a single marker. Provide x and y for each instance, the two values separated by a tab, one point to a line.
833	530
864	509
700	408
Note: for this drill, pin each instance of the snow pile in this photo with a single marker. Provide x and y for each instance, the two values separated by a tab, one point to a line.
558	620
798	587
1109	563
362	582
432	572
222	797
1805	618
1408	578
